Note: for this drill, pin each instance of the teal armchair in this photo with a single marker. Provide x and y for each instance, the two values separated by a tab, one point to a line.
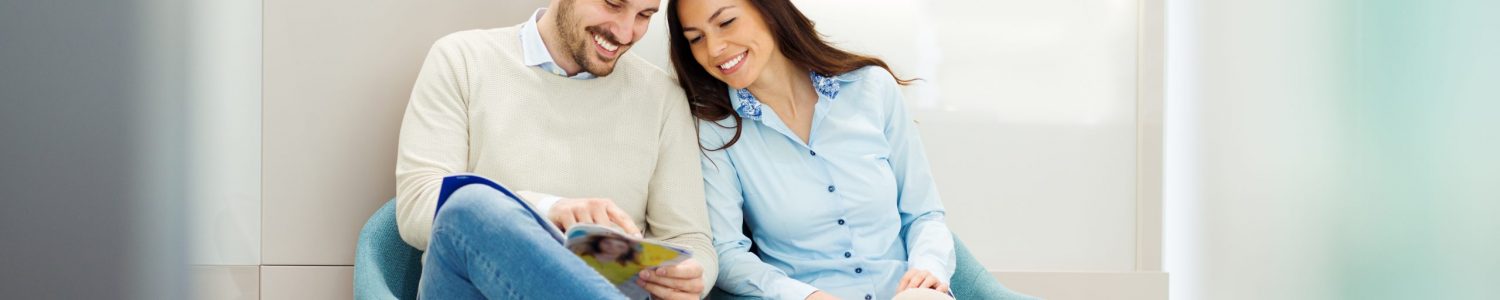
385	267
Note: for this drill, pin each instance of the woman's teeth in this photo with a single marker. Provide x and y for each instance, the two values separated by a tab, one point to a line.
606	44
732	62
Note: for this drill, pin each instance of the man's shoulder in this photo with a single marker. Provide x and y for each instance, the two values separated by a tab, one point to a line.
641	65
647	74
490	39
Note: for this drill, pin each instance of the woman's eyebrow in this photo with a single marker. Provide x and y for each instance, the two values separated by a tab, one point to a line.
711	17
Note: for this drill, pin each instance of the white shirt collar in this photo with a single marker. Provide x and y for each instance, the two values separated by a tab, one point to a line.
534	51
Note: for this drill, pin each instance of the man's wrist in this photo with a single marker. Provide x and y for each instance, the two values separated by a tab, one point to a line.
544	205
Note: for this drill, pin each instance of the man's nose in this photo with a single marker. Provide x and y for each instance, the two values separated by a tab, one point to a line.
624	33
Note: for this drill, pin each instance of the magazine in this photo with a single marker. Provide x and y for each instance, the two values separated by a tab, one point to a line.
615	255
620	257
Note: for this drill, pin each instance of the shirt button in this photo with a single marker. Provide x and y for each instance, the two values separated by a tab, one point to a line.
814	153
847	254
859	270
830	189
868	297
841	221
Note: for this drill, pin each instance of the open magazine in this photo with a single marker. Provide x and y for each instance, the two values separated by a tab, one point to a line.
615	255
620	257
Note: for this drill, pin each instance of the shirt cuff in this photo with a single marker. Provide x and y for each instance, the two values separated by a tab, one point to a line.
938	269
545	204
788	288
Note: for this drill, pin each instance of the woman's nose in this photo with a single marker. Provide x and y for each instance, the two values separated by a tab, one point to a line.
716	45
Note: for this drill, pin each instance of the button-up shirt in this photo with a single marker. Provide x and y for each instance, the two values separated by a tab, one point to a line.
847	212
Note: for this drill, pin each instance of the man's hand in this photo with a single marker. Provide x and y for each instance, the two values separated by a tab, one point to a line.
921	279
567	212
680	281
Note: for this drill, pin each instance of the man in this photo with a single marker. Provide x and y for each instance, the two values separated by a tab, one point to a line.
554	109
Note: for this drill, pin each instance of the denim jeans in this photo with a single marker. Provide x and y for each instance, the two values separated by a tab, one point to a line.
485	245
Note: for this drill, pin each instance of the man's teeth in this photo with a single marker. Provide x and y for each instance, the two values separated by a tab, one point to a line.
732	62
606	44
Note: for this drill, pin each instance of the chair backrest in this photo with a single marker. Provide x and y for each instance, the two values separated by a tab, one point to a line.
972	281
385	267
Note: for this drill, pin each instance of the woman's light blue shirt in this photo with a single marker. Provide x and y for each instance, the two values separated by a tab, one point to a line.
846	213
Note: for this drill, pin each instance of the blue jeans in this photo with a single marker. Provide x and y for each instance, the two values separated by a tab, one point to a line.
486	245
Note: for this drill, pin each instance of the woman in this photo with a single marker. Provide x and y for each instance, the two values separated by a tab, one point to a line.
613	257
810	148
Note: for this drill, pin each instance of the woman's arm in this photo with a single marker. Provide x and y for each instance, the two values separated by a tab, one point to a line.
740	272
929	243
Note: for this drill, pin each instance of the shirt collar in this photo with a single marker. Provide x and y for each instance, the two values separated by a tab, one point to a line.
827	87
534	50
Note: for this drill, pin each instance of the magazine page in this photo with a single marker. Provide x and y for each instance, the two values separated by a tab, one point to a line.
619	257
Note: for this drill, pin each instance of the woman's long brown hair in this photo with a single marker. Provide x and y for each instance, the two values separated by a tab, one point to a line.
708	98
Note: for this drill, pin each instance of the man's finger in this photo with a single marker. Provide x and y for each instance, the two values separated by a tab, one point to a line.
623	219
565	221
659	291
584	216
681	271
600	215
671	282
683	285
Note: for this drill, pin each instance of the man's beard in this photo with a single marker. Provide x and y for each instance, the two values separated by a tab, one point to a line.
581	47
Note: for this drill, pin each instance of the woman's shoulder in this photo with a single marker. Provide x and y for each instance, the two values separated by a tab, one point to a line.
866	82
875	85
873	75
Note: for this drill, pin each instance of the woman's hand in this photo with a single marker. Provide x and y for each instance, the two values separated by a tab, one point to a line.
680	281
917	278
820	295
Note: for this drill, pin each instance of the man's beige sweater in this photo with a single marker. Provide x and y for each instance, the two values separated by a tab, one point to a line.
627	136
